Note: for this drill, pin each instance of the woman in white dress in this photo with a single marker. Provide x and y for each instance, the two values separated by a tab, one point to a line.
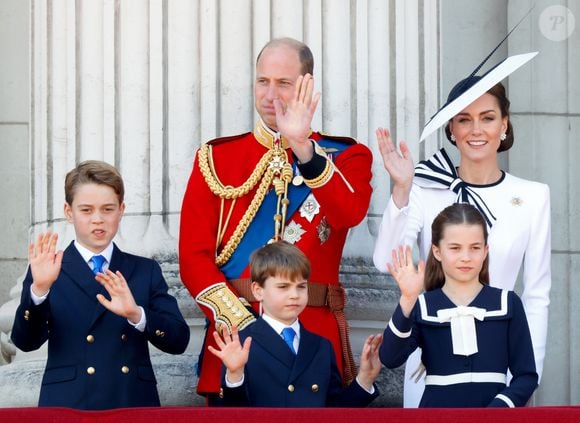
517	211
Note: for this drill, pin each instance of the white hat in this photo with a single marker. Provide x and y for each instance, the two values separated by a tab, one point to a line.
471	88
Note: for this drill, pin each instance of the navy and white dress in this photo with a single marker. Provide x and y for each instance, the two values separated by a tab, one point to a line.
518	212
466	368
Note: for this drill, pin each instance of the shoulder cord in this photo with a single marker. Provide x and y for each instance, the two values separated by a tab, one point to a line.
264	172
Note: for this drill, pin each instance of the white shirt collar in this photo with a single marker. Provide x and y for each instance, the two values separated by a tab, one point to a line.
88	254
279	326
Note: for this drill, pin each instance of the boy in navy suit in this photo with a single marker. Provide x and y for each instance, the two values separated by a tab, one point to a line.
97	331
276	361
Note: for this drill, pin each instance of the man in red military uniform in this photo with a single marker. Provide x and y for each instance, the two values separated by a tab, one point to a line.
281	181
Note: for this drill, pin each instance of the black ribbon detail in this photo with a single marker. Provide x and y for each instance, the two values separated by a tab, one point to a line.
439	172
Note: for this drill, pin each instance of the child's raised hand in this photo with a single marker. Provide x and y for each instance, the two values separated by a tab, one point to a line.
231	352
410	281
370	363
45	262
122	302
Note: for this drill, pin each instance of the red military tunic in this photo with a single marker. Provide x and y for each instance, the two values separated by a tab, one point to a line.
343	198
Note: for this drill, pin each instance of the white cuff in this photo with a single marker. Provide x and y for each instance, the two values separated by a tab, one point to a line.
140	325
505	399
36	299
234	384
371	391
397	332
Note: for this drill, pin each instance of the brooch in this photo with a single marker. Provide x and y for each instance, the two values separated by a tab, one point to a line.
517	201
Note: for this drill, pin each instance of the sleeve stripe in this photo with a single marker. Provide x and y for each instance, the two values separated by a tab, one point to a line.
506	400
397	332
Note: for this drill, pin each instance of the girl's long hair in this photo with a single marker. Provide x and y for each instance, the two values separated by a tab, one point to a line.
456	214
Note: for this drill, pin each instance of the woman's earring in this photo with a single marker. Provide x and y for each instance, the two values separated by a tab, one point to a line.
453	138
503	137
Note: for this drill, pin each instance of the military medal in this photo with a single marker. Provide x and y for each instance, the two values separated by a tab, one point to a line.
298	178
323	231
309	208
293	232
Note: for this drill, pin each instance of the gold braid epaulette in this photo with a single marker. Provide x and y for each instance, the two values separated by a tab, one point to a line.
229	192
262	171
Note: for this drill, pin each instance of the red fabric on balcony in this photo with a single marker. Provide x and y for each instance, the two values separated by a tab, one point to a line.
334	415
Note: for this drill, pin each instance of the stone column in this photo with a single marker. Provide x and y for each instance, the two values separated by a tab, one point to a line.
14	175
142	83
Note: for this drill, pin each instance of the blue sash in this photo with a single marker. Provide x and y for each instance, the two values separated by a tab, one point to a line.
261	229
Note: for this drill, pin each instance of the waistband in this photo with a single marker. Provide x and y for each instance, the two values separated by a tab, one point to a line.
479	377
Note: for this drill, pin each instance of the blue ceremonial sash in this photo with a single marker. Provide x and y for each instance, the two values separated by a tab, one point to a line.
261	229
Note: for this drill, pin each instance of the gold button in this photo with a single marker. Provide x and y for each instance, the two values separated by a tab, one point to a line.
123	337
26	317
27	312
90	339
160	333
91	370
125	369
315	388
290	388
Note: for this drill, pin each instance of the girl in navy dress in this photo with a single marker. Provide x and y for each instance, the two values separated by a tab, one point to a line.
471	334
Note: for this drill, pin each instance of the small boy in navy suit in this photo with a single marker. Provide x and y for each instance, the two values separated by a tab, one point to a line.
276	361
97	306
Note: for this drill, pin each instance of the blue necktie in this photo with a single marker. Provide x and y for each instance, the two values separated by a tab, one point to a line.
288	334
98	262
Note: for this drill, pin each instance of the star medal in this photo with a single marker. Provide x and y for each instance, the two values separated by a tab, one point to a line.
293	232
309	208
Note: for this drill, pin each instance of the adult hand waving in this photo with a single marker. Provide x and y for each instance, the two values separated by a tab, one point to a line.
399	165
295	118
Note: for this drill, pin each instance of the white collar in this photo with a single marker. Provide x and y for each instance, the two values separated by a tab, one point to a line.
87	254
279	326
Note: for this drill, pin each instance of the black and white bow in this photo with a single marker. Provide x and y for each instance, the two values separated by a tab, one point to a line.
439	172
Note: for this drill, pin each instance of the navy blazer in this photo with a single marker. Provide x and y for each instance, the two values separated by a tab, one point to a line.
275	377
96	359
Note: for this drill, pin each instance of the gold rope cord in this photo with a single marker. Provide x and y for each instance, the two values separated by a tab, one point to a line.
223	226
273	163
229	192
246	219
